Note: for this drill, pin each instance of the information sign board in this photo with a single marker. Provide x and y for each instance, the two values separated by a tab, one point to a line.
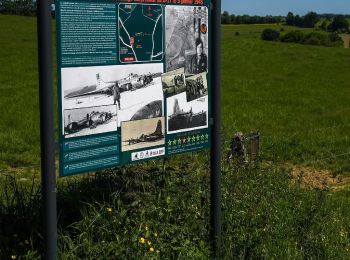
134	81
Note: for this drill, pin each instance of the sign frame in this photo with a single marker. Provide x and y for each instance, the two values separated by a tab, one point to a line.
69	148
49	203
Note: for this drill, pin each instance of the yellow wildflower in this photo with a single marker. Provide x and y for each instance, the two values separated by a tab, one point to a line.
109	210
155	234
142	240
146	227
342	233
157	251
149	243
151	249
13	257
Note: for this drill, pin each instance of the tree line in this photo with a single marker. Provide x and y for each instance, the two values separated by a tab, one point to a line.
303	37
330	22
226	18
311	19
18	7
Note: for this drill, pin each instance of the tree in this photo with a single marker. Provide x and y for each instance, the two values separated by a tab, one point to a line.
290	19
298	21
339	23
270	35
18	7
334	37
324	25
232	18
225	18
310	19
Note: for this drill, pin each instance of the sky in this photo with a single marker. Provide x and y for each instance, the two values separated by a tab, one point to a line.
282	7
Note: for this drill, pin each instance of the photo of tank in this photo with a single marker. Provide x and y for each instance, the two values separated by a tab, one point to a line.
196	86
173	82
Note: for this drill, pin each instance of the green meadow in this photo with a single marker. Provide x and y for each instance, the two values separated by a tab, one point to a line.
297	96
293	204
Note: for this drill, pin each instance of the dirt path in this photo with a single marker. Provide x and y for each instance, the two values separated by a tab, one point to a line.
309	177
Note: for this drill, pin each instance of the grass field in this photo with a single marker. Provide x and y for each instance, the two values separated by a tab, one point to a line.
297	96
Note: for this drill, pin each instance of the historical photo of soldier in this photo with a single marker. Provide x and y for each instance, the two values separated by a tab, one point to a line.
199	61
116	95
186	38
89	121
174	82
196	86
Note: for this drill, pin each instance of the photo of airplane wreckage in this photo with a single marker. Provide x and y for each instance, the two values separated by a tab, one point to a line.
184	120
157	135
91	120
129	83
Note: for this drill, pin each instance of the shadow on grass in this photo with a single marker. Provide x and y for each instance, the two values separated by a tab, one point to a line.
157	210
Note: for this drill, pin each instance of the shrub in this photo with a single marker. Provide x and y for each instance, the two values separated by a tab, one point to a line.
315	38
334	37
324	25
270	35
237	33
335	40
339	23
293	36
312	40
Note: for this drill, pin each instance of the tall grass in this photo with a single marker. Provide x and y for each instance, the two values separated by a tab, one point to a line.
123	213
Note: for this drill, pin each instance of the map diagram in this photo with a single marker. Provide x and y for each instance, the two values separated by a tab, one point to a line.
140	33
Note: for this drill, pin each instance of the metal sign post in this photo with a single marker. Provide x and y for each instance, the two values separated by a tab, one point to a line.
48	178
215	130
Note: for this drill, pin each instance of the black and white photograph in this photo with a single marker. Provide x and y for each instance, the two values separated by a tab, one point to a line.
186	38
90	120
186	116
196	86
142	133
174	82
136	90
